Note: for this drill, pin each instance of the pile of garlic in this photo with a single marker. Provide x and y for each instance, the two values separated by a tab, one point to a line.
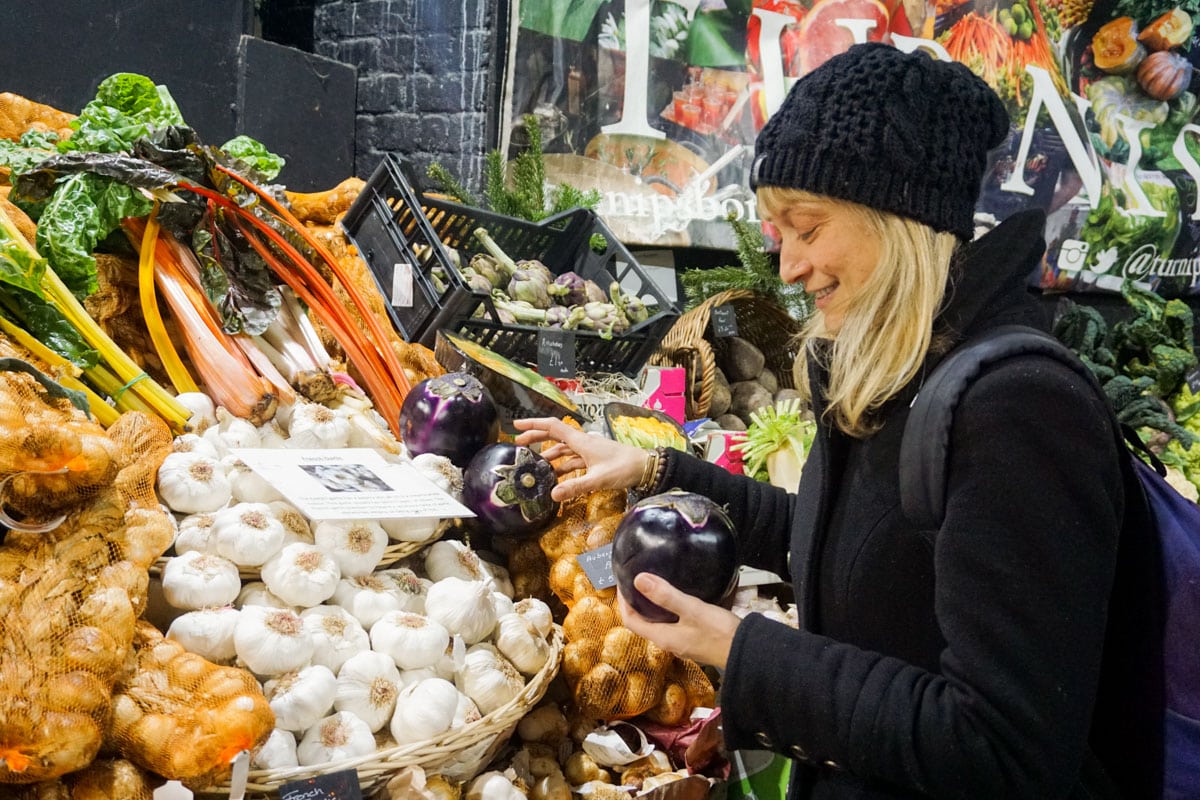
230	515
388	657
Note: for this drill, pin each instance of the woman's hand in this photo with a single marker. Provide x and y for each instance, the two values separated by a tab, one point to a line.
608	464
703	633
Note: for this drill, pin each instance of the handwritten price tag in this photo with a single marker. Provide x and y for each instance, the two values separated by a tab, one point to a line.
341	785
724	320
597	565
556	353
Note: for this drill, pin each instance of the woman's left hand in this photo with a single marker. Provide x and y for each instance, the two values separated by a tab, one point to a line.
703	633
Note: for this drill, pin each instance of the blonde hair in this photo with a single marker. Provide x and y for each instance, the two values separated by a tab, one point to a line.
888	327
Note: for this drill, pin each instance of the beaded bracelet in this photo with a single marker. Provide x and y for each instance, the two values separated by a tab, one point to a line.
654	471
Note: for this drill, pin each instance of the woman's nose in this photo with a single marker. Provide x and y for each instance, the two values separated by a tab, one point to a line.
793	267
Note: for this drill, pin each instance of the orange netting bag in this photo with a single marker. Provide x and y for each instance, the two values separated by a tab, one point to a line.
103	779
70	595
183	717
613	672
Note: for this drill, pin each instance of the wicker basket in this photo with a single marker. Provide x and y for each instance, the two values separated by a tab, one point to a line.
691	345
458	755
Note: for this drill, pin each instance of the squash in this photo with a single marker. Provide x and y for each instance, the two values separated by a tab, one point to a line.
1164	75
1115	48
1172	29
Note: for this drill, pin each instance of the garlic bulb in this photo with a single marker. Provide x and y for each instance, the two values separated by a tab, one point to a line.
462	607
339	736
207	632
295	524
488	679
367	686
277	752
191	483
200	580
449	558
519	641
271	641
442	472
424	710
301	575
408	586
492	786
367	598
502	603
204	413
465	712
195	533
192	443
313	426
413	529
271	436
336	636
356	545
247	534
501	582
537	612
236	432
246	485
412	640
300	699
256	593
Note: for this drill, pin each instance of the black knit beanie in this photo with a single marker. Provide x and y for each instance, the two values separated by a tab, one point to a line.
899	132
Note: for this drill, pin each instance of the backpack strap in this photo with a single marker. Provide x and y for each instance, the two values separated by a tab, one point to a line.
924	448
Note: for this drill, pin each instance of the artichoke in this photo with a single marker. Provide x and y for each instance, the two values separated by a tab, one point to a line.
489	268
528	285
535	266
568	289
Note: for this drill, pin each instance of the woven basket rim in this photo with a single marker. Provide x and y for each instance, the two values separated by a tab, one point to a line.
374	767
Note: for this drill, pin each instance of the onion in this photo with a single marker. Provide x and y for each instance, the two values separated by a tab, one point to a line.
508	487
686	539
451	415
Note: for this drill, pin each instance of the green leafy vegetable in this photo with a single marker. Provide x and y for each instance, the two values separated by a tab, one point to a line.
235	278
265	165
777	443
127	107
30	150
1111	225
569	19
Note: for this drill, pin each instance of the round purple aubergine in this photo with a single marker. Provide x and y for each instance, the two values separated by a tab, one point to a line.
451	415
508	488
684	538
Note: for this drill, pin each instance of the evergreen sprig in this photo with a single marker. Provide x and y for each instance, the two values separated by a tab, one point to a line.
754	272
518	189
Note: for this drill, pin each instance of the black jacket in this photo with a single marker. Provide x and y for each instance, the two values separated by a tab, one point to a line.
961	662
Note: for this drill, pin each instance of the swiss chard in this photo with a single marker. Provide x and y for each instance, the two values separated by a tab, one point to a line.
126	108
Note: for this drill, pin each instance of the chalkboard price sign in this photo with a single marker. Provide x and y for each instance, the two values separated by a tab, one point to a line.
724	320
341	785
556	353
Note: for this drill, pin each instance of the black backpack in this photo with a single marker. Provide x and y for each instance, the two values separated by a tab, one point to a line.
1158	563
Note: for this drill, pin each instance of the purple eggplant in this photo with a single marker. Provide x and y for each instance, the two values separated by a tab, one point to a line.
451	415
683	537
508	487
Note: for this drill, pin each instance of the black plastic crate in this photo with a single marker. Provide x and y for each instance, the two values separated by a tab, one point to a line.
390	221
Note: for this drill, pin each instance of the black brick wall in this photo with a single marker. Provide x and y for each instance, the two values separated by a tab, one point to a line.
427	77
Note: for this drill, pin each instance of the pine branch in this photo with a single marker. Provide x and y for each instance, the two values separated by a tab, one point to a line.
450	185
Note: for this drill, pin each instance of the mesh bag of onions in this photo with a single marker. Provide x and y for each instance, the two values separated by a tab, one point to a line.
74	578
613	672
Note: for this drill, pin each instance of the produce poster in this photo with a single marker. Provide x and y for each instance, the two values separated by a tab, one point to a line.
655	104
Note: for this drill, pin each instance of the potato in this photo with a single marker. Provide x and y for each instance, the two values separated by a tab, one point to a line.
731	422
719	400
747	397
768	381
786	394
601	692
740	360
673	708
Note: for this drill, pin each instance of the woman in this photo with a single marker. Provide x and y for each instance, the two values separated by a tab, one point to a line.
962	662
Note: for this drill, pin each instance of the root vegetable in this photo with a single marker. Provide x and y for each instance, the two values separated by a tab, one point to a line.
731	422
748	397
740	360
719	400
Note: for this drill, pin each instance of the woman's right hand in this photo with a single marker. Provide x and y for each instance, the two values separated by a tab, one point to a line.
607	464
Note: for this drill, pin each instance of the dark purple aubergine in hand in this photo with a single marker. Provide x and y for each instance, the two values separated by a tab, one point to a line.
684	538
